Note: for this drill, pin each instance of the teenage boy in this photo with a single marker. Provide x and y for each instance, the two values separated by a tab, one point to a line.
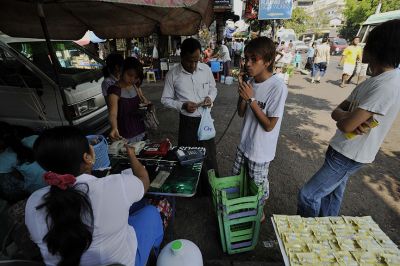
261	103
377	98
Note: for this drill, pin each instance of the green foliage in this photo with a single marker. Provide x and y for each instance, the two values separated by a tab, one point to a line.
357	12
299	21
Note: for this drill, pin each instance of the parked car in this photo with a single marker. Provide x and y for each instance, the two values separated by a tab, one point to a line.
30	96
338	45
300	46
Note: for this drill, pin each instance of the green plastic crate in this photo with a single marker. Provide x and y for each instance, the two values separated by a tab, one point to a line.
237	202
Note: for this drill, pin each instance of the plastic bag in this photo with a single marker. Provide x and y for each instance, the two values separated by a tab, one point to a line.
206	129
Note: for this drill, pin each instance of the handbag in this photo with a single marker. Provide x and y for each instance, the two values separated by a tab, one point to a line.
149	116
206	129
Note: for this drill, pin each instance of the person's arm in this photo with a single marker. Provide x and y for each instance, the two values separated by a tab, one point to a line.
241	106
268	123
356	121
168	95
137	168
342	111
328	56
212	91
112	116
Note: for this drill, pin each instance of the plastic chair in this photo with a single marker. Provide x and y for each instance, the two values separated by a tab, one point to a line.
216	69
151	76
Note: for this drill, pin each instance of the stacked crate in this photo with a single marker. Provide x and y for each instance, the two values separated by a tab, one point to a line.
237	201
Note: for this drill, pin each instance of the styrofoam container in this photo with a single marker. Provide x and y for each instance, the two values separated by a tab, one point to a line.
228	80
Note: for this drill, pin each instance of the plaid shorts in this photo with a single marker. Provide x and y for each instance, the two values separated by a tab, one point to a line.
256	171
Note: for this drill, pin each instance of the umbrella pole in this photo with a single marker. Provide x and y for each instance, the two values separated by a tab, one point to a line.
53	58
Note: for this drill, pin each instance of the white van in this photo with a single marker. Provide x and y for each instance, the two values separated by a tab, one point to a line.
29	95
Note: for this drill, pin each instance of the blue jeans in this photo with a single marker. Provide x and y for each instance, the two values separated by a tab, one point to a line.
322	195
149	232
319	67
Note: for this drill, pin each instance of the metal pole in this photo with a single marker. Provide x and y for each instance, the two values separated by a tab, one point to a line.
53	57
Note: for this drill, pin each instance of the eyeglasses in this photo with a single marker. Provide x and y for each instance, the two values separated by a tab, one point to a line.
252	59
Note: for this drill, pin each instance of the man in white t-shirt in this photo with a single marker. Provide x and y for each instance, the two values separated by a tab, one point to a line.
358	139
224	55
261	102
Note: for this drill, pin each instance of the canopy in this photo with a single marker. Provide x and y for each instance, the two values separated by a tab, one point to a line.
88	38
70	19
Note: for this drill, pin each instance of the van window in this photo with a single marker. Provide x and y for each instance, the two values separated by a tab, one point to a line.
70	56
14	74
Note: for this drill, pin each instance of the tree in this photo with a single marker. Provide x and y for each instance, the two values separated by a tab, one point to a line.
299	21
356	12
319	22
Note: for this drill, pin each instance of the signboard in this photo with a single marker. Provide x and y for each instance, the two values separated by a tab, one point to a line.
275	9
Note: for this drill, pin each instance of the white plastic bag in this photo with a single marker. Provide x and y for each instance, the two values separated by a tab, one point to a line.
206	129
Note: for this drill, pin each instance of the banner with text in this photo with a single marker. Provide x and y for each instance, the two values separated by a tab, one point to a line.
275	9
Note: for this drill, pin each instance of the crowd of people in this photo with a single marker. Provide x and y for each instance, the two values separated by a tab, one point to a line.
76	218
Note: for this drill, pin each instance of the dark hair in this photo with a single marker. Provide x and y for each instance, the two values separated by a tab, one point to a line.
264	47
189	46
325	39
9	138
382	44
219	42
69	212
133	63
112	61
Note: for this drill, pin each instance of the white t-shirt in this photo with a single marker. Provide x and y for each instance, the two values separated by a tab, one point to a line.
257	144
224	53
114	240
379	95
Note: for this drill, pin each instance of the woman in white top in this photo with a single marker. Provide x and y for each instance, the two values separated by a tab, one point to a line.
82	220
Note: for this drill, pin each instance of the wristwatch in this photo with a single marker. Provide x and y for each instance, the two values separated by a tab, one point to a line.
249	101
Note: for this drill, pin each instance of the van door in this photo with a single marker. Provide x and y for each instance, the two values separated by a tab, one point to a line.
24	94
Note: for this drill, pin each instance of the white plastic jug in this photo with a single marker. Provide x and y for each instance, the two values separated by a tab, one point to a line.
180	252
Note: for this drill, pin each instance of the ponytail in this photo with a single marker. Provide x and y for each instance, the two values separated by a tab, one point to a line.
70	222
69	211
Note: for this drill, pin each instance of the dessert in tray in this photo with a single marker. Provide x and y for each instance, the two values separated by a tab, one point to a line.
340	240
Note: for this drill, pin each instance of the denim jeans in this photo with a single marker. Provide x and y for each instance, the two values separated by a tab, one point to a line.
322	195
319	67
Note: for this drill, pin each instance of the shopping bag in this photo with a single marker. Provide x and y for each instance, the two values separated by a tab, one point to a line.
206	129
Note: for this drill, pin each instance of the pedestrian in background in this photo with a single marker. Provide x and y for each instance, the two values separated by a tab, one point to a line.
224	55
261	103
111	72
355	144
321	60
310	57
350	56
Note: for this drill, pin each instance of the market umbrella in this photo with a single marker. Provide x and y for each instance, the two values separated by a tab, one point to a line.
89	37
70	19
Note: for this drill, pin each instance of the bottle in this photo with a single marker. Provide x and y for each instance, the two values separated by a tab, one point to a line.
180	252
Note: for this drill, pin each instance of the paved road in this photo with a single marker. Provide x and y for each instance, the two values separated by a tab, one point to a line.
305	134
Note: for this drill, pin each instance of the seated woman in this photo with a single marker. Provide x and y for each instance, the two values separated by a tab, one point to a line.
81	220
124	100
